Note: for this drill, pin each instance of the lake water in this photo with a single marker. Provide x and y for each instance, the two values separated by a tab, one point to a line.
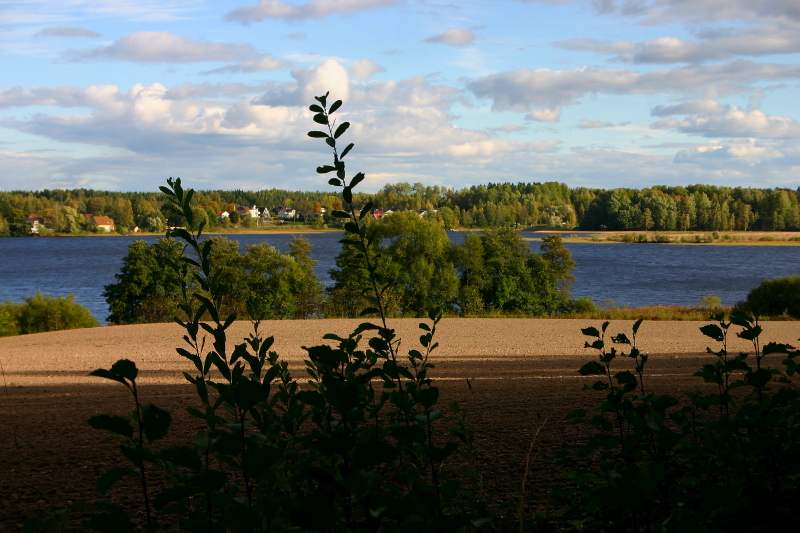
633	274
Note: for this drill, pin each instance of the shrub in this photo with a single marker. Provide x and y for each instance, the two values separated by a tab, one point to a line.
716	461
353	450
41	313
774	297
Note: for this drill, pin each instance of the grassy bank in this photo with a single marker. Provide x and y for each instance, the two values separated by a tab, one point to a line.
762	238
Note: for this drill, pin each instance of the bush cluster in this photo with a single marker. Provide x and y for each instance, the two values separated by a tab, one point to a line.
774	298
41	313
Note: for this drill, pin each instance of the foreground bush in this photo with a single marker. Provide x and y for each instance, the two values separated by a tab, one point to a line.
774	297
359	447
41	313
720	460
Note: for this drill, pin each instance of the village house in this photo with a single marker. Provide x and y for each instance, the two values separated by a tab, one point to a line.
284	213
223	215
35	220
105	224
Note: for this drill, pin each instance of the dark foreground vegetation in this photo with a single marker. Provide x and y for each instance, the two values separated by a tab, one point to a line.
363	444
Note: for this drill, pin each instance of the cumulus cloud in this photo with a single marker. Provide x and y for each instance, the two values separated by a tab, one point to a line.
688	108
664	50
301	36
454	37
545	115
164	47
733	154
400	127
363	69
734	122
256	64
313	10
67	32
589	124
522	90
666	11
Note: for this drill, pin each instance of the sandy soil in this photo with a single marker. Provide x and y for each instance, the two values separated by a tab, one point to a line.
521	371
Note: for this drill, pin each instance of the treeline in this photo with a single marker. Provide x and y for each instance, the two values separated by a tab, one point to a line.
492	272
661	208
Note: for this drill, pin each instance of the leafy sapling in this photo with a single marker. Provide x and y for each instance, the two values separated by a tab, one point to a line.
144	425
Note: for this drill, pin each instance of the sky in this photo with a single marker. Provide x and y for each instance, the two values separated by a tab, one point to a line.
123	94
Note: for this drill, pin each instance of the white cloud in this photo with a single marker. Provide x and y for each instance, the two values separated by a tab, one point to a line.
454	37
545	115
67	32
314	10
663	50
522	90
256	64
364	69
666	11
734	154
734	122
688	108
590	124
164	47
301	36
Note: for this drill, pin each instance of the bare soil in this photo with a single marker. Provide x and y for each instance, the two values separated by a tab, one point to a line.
521	372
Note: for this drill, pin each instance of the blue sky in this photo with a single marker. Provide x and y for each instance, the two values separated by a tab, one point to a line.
122	94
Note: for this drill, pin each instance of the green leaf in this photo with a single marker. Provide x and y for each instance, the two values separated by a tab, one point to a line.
324	169
341	129
352	227
330	142
636	325
340	214
590	332
103	373
113	424
334	106
110	477
774	347
346	150
592	368
156	421
365	210
125	368
750	334
620	339
318	134
625	378
320	118
336	182
315	108
369	311
358	178
713	331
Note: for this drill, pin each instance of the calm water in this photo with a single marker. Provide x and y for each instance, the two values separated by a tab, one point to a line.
633	274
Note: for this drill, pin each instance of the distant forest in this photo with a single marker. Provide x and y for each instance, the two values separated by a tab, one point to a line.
660	208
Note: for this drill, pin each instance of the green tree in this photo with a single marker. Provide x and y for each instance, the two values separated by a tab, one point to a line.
145	290
559	259
415	262
282	285
510	277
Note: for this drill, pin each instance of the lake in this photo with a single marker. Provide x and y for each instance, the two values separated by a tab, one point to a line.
632	274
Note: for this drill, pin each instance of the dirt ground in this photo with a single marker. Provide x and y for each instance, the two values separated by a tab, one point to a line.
521	372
